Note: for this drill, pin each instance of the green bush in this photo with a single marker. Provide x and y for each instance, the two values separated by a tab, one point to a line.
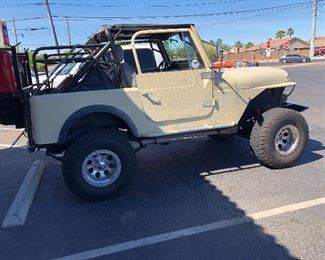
40	67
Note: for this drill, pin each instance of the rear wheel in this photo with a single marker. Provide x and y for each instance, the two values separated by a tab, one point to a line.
280	138
304	60
98	164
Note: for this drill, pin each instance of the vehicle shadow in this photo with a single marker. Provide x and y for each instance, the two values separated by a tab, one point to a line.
171	191
310	154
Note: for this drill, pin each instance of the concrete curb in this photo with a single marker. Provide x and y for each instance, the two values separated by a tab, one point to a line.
19	208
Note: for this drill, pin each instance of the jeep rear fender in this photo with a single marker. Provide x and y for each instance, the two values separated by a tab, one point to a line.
72	121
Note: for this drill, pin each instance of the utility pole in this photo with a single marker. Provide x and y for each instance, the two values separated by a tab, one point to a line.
52	24
15	32
313	30
68	27
14	28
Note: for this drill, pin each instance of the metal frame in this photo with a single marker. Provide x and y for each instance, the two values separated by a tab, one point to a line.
22	94
95	51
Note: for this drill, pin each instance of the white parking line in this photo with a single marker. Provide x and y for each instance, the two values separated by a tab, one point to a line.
11	146
5	129
108	250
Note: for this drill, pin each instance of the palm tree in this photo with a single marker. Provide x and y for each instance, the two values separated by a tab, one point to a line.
249	44
290	32
238	45
280	34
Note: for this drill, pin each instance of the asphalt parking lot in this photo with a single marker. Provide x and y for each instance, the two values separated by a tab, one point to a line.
194	199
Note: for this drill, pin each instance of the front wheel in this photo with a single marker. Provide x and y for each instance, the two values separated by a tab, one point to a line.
279	137
98	164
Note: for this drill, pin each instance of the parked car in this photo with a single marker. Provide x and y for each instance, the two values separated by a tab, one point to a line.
294	58
320	52
235	64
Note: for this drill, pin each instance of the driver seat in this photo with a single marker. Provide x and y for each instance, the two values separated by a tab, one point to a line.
127	73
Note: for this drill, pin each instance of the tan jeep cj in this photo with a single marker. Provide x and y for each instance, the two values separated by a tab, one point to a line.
134	85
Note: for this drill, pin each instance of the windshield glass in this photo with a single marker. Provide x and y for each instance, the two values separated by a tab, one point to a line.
180	47
68	67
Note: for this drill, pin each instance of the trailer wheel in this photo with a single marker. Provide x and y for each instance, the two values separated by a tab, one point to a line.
98	164
279	138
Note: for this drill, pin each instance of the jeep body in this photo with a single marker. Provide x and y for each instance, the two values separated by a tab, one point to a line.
158	87
163	103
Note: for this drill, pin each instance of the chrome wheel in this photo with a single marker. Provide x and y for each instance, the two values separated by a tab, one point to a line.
287	140
101	168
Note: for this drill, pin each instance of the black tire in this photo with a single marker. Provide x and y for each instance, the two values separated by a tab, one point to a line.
284	61
265	133
92	142
222	138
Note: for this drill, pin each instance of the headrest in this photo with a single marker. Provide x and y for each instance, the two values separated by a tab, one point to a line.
119	53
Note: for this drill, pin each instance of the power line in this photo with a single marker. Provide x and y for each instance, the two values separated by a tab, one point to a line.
17	5
195	15
27	18
247	18
33	29
158	5
79	18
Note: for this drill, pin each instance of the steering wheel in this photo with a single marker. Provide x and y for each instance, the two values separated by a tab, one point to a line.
163	65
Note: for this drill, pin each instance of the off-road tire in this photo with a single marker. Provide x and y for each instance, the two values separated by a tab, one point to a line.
264	132
92	141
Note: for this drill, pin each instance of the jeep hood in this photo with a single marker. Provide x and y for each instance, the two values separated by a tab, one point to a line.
245	78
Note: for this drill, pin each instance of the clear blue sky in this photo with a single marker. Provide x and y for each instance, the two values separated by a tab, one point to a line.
255	26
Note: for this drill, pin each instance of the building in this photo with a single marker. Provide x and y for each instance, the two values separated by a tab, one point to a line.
291	44
319	42
4	38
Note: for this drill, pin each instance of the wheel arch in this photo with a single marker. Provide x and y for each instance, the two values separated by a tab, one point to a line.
96	115
266	100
